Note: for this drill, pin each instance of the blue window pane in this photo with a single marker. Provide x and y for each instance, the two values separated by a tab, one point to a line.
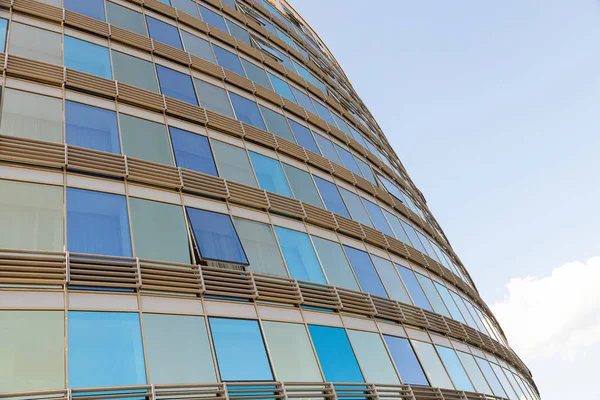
331	197
378	218
414	288
324	113
91	8
87	57
256	74
97	223
455	369
277	124
406	361
92	127
192	151
212	18
270	174
452	307
416	243
342	125
365	271
239	32
366	170
335	354
187	6
303	100
463	310
304	137
216	236
163	32
281	87
327	149
390	187
303	72
247	111
230	3
348	160
198	47
491	377
299	255
3	26
240	350
228	60
177	85
105	349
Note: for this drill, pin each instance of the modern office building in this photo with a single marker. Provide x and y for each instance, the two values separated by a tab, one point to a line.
195	204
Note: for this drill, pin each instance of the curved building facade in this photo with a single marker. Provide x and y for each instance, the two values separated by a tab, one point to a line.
195	203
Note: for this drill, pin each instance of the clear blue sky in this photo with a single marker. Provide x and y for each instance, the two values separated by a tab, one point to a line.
493	108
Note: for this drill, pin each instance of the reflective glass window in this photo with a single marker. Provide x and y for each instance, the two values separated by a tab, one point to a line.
87	57
334	262
299	255
303	72
434	297
471	309
455	369
159	231
247	111
198	47
145	139
324	113
452	308
373	358
212	18
125	18
281	87
406	361
490	377
91	8
97	223
261	247
302	185
377	217
436	374
35	43
134	71
515	385
331	197
192	151
416	243
327	149
348	160
303	100
356	207
216	236
270	174
463	309
233	163
105	349
391	281
277	124
213	98
416	291
240	350
164	33
474	373
3	28
366	170
238	32
256	74
508	389
396	227
176	84
187	6
365	271
304	137
335	354
228	60
341	124
91	127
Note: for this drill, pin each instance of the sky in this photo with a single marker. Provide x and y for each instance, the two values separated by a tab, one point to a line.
493	108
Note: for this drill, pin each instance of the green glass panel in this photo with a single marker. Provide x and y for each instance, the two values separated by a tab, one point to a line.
35	43
134	71
144	139
125	18
302	185
373	358
260	246
335	264
233	163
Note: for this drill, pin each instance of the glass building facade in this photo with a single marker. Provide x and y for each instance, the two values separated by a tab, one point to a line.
195	203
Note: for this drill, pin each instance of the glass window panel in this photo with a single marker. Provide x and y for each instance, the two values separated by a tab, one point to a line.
92	127
286	39
31	116
125	18
277	124
304	137
270	174
365	271
515	385
281	87
474	315
213	98
416	243
356	207
299	255
436	374
3	28
463	310
159	231
406	361
230	3
192	151
238	32
331	197
198	47
176	84
377	217
187	6
33	353
302	185
97	223
454	311
434	297
31	215
303	100
295	363
91	8
490	377
303	72
334	262
233	163
164	33
35	43
105	349
324	113
416	291
366	170
212	18
327	149
247	111
240	350
373	357
216	236
145	139
505	384
87	57
261	247
474	372
455	368
335	354
396	227
256	74
391	188
391	280
481	321
228	60
178	349
341	124
134	71
348	160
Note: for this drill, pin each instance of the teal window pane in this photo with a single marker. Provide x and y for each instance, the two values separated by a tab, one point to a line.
277	124
327	149
334	262
87	57
3	26
474	373
213	98
373	357
187	6
281	87
455	369
145	140
261	247
240	350
335	354
270	174
491	378
105	349
406	361
302	185
391	281
303	100
365	271
432	365
178	349
35	43
356	207
434	297
299	255
159	231
247	111
331	197
377	217
445	293
414	288
256	74
238	32
198	47
126	18
134	71
233	163
348	160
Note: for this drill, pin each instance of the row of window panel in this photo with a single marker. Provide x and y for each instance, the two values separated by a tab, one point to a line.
109	349
99	223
